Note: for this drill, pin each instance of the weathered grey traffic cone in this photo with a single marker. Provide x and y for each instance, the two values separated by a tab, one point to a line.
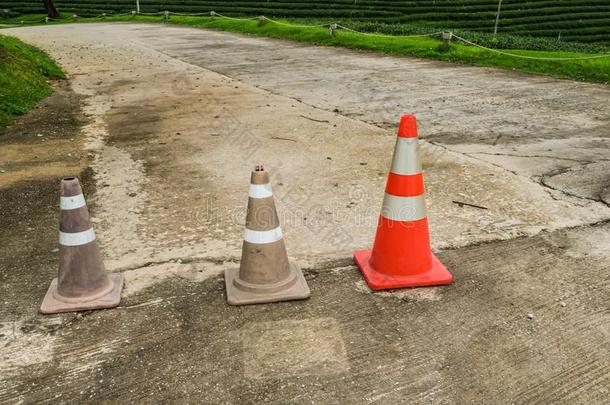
265	274
82	283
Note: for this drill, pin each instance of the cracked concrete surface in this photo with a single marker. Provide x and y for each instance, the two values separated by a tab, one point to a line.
173	120
589	180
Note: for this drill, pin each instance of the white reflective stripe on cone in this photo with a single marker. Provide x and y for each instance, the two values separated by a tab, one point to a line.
76	238
260	190
261	237
403	208
72	203
406	156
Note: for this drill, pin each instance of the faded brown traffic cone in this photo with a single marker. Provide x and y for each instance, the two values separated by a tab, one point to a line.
82	283
265	274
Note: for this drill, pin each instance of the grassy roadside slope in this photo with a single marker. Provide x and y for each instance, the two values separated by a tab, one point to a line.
24	74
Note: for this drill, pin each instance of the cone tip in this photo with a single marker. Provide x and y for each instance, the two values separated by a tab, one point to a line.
70	186
408	126
259	175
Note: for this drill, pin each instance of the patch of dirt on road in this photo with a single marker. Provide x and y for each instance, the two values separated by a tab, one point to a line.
28	233
35	153
44	143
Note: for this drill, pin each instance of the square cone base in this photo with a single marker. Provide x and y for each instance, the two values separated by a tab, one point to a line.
51	305
437	275
298	291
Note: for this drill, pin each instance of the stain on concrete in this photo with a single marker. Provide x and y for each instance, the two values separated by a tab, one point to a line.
290	348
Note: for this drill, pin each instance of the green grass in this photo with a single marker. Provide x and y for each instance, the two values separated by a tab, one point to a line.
594	70
24	78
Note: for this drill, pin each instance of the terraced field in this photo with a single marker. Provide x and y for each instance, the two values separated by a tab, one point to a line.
572	20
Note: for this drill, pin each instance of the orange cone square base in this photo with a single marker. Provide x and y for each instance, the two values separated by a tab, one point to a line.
52	305
235	296
437	275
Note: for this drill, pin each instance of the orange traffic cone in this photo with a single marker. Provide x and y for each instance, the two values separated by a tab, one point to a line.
401	255
82	283
265	274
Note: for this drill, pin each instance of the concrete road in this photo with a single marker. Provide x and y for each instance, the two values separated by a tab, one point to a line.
163	125
530	125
